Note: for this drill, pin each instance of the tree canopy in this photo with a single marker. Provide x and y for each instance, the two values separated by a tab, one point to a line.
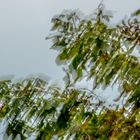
88	47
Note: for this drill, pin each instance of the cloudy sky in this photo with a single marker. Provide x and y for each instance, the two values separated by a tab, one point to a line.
24	24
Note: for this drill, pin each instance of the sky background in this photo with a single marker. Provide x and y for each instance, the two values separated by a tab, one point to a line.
24	24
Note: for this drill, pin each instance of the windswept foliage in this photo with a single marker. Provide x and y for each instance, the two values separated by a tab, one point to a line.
91	48
99	51
33	108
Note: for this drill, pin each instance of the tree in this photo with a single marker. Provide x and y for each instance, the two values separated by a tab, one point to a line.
88	48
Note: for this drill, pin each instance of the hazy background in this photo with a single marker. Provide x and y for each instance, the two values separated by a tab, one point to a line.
24	24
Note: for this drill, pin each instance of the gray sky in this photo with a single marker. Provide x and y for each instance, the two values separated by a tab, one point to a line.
24	24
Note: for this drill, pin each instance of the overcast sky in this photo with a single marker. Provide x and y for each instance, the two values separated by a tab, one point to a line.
24	24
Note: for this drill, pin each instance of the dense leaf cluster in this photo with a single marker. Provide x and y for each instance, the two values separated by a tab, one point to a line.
101	52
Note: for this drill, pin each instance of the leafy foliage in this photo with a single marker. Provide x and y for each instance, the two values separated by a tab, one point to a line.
103	52
90	48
